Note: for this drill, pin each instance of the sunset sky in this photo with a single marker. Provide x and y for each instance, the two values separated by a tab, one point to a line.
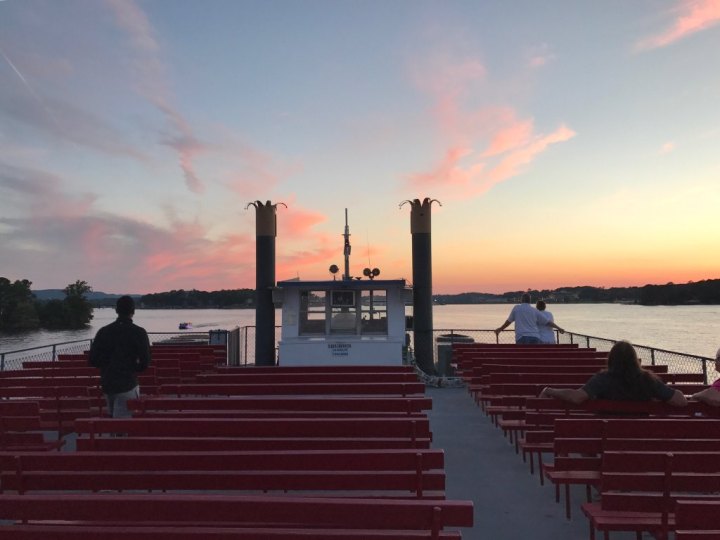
568	142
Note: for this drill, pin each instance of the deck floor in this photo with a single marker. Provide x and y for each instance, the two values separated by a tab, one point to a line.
482	466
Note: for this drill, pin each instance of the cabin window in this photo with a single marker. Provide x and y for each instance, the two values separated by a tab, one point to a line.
312	312
373	309
343	320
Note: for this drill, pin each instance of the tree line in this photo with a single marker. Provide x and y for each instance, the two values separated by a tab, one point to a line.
223	299
705	292
20	310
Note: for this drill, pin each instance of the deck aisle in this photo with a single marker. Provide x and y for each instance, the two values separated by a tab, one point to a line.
510	504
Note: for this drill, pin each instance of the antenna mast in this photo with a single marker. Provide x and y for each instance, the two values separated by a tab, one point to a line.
346	249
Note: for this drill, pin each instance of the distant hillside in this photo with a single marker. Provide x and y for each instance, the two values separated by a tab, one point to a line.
97	298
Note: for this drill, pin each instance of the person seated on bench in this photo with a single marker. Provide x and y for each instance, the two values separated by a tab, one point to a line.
623	380
711	395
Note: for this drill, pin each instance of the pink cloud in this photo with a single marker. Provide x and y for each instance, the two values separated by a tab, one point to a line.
151	82
296	222
449	172
516	135
109	251
514	162
310	248
112	251
118	253
667	148
483	145
477	175
695	16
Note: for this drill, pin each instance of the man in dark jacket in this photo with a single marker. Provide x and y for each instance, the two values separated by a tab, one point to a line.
121	350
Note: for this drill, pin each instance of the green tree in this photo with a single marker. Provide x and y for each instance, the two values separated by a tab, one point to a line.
53	314
17	308
79	311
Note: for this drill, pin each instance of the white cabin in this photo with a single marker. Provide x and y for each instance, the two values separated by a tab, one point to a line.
345	322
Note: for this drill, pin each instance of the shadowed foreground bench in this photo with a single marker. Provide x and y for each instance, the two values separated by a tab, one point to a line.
369	473
180	517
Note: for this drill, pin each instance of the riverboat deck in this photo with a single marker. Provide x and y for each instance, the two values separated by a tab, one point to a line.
482	466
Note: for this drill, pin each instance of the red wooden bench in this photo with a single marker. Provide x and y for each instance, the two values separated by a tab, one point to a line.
697	520
514	419
320	405
21	427
580	442
246	376
468	363
640	489
541	413
252	433
465	358
318	369
388	472
185	517
219	389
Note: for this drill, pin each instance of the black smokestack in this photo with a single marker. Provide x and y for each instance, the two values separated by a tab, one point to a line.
420	227
265	233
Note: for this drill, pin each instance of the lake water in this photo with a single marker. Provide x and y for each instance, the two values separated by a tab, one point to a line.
686	329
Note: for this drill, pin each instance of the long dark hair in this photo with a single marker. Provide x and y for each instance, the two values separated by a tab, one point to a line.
623	365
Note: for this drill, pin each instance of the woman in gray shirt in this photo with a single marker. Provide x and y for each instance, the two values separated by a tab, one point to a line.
623	380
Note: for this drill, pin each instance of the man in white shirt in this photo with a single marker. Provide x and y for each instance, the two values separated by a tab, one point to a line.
527	321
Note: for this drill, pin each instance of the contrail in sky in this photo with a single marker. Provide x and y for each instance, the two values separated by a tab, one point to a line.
30	89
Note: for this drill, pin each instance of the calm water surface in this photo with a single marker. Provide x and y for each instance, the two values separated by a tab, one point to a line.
687	329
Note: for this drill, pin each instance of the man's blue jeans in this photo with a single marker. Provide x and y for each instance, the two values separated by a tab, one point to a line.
527	340
117	403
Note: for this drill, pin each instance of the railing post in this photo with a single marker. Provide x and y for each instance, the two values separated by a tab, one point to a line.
2	362
704	369
587	341
245	341
53	352
652	357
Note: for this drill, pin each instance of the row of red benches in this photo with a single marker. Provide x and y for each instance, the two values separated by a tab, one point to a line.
308	438
60	391
224	517
643	465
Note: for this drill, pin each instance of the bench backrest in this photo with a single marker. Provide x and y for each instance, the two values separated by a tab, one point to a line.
693	515
253	427
247	377
216	510
404	471
398	389
290	404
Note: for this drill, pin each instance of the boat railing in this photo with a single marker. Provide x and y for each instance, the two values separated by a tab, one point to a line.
11	360
677	362
241	348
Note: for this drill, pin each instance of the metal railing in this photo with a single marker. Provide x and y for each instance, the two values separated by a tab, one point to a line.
241	348
677	362
12	360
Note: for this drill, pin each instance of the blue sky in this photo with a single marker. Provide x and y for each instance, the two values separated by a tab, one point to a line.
569	143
